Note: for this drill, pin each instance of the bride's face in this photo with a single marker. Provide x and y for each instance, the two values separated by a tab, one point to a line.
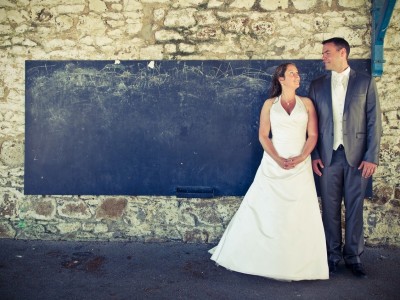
291	79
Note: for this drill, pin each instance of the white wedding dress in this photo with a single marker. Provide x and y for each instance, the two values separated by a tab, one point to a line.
277	231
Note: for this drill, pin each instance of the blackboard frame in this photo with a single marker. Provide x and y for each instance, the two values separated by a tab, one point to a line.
148	127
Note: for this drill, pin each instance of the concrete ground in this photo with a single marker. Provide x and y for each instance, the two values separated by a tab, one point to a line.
131	270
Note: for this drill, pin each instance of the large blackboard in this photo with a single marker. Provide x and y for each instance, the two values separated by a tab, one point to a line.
147	127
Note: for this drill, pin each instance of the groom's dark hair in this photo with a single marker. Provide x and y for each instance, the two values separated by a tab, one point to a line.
340	43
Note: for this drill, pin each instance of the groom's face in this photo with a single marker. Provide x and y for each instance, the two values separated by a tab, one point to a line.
333	58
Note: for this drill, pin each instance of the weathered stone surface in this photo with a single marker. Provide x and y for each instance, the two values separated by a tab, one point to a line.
182	29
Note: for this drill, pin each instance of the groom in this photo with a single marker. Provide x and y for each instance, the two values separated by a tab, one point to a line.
347	151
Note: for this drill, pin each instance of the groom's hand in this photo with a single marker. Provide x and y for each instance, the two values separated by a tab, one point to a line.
316	166
368	168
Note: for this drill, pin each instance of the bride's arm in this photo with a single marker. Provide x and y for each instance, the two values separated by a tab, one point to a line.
263	133
312	128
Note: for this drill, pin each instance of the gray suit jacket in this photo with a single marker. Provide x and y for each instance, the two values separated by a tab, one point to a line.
362	126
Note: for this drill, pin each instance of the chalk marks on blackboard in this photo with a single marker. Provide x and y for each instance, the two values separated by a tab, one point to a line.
76	84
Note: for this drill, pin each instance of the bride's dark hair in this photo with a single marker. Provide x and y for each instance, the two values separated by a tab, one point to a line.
276	88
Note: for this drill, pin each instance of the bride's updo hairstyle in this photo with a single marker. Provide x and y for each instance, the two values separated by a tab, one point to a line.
276	88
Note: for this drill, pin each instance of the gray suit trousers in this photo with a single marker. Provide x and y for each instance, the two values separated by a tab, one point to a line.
341	181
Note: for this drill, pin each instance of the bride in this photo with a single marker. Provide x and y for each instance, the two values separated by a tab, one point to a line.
277	231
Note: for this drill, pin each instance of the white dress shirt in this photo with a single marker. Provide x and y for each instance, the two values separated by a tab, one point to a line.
339	87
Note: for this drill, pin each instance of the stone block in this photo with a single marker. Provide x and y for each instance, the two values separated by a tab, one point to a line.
91	25
246	4
187	48
41	209
237	25
6	29
151	52
187	3
64	22
103	40
17	17
352	3
74	210
111	208
70	9
383	193
262	27
205	18
3	15
304	4
195	236
170	48
206	34
159	14
133	27
100	228
12	152
6	230
132	5
97	6
115	23
397	192
215	3
168	35
116	7
70	227
180	18
8	205
274	4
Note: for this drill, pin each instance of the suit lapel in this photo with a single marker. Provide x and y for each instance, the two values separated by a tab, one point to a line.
326	102
328	87
350	89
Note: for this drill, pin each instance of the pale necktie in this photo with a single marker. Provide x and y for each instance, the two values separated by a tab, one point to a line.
338	105
338	82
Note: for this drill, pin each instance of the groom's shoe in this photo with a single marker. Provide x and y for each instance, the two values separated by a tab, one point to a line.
357	269
333	267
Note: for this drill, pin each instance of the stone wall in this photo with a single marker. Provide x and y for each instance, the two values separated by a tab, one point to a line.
174	30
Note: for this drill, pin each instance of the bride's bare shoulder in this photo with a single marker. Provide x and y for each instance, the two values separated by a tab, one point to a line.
268	103
306	100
